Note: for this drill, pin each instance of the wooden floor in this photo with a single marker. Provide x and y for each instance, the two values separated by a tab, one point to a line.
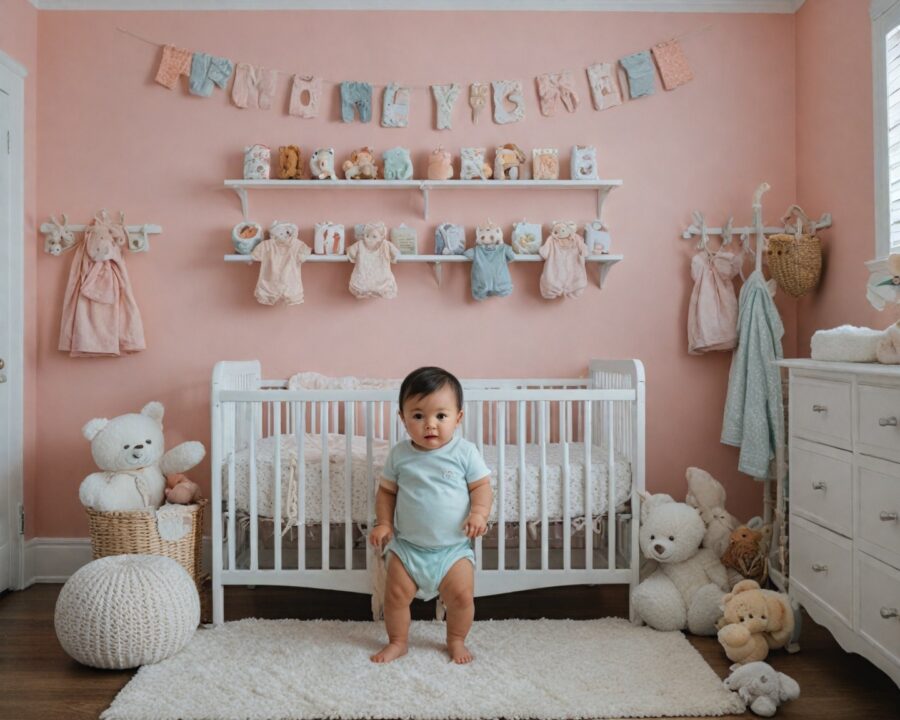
39	681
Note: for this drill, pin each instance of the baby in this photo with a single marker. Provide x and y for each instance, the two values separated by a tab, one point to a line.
434	496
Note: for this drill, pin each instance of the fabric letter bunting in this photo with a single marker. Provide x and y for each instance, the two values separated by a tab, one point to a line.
175	62
673	65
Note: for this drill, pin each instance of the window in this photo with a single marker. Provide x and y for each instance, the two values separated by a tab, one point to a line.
886	93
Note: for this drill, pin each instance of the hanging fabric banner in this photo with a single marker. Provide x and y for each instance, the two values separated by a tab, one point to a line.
395	106
672	63
207	70
554	88
174	63
444	99
508	91
639	68
479	95
358	96
306	92
253	87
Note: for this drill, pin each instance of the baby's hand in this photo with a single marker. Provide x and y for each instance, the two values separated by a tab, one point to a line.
475	525
380	535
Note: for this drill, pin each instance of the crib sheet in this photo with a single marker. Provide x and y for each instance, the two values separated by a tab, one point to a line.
290	478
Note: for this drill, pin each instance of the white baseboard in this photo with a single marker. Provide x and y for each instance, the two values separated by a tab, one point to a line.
54	560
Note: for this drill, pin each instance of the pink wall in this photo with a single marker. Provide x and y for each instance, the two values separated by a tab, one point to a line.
835	167
19	40
112	138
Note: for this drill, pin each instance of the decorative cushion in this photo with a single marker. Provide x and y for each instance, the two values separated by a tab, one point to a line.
124	611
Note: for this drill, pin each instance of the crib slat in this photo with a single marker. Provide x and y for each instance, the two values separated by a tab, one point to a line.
326	487
522	542
392	424
348	480
232	538
543	424
276	410
301	482
334	417
611	486
501	486
254	520
370	476
588	491
479	427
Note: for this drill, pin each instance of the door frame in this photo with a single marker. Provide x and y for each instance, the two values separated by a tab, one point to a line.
12	79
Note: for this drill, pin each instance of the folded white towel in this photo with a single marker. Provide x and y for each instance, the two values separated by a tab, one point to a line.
845	344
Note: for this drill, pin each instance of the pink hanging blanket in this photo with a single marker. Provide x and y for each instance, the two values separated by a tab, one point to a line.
100	316
713	312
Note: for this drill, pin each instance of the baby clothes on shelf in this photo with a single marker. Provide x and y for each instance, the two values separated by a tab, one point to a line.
713	311
373	255
280	258
490	271
564	273
100	316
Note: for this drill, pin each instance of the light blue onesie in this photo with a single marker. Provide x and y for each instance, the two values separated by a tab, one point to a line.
432	506
490	274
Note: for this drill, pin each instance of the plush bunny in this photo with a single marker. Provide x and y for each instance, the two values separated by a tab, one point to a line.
761	687
60	238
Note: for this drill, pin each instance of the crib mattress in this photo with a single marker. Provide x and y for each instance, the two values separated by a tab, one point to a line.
359	507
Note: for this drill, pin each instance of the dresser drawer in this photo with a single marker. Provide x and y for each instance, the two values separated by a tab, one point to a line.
878	490
879	605
821	485
822	562
820	410
878	421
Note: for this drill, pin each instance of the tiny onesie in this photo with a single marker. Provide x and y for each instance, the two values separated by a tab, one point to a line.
279	272
564	254
373	255
490	272
432	489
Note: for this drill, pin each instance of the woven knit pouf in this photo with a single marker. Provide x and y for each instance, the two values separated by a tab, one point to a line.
124	611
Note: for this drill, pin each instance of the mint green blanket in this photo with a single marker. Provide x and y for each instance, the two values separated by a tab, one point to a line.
754	413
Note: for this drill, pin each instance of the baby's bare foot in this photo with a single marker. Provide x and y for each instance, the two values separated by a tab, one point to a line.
459	653
389	652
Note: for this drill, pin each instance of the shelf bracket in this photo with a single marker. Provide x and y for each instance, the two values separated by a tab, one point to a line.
424	189
601	198
438	271
603	270
242	194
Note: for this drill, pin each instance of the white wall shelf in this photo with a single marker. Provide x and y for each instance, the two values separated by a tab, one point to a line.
603	262
601	187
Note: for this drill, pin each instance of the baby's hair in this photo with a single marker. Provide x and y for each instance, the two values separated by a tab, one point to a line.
427	380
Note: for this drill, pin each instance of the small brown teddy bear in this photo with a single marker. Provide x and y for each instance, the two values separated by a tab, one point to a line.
289	158
747	550
755	620
180	490
361	165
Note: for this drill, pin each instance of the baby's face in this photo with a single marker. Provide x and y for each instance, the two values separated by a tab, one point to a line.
431	419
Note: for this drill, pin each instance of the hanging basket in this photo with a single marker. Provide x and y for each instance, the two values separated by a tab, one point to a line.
795	258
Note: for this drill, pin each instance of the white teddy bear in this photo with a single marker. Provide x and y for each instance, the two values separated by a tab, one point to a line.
761	687
130	452
687	587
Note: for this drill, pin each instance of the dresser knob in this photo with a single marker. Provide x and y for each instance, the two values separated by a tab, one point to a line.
819	408
888	613
887	422
887	516
819	568
819	485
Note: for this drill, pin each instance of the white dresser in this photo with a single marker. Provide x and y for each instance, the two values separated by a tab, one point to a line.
844	503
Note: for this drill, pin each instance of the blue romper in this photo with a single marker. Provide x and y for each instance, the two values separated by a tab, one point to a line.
490	274
432	506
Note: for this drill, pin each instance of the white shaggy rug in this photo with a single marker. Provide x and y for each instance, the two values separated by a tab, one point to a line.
291	669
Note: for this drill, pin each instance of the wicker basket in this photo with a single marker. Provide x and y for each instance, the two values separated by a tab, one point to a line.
795	258
121	533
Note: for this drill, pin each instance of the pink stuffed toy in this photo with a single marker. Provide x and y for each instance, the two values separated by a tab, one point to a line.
180	490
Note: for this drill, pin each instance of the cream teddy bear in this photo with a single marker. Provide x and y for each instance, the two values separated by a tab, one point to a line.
686	589
130	452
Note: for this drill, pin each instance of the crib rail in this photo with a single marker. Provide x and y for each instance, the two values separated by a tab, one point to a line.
594	426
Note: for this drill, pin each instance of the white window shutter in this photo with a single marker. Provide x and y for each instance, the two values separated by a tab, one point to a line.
892	51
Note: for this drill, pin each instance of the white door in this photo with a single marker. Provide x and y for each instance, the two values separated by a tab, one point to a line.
7	526
12	317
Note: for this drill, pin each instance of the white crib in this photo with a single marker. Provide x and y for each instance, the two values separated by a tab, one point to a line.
283	515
